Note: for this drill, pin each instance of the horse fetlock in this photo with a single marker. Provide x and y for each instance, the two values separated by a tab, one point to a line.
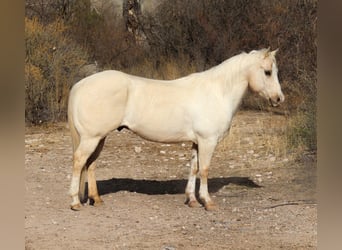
191	200
207	202
194	204
75	204
76	207
96	201
211	206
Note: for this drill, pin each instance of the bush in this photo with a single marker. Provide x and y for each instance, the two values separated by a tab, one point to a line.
165	68
182	37
52	63
210	31
302	130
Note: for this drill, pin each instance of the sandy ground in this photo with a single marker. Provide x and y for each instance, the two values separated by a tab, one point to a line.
266	197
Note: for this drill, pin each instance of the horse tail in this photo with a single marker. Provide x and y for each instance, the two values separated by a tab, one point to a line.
75	137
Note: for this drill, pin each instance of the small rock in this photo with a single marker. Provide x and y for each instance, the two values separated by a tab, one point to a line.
137	149
169	248
273	158
235	209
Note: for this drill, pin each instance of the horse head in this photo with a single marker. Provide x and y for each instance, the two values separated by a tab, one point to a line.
263	76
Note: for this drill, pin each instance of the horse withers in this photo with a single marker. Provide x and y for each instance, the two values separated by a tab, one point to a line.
197	108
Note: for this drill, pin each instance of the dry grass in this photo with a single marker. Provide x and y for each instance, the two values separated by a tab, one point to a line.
264	135
301	131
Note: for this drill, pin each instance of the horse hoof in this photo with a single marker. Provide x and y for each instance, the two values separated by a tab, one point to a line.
98	203
194	204
76	207
211	207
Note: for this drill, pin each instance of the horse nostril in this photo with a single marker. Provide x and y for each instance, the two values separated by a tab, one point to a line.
278	99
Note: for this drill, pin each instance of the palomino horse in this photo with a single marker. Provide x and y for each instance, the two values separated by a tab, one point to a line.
197	108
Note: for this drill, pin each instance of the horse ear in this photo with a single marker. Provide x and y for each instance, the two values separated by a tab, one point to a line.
267	52
274	52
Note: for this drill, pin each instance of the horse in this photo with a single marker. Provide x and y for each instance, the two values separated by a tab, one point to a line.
198	108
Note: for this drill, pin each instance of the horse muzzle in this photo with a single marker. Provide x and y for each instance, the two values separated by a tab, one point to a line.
276	100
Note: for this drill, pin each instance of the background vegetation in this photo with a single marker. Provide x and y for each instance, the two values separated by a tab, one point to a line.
177	38
51	64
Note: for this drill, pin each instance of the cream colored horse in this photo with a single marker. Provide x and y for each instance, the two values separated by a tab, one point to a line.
197	108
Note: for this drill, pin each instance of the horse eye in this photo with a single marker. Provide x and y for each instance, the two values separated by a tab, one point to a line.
268	72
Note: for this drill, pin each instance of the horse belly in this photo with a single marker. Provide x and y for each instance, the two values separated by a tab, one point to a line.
159	112
162	135
162	128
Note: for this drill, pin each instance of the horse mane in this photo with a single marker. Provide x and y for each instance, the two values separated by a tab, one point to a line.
229	69
234	65
223	68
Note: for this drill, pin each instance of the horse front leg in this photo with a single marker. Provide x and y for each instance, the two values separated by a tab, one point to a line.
191	185
206	149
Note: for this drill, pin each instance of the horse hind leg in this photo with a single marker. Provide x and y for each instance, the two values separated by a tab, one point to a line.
93	194
82	189
83	152
92	186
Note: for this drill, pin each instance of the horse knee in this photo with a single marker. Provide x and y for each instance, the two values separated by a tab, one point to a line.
204	172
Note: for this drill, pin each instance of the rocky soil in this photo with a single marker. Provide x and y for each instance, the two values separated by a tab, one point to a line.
266	195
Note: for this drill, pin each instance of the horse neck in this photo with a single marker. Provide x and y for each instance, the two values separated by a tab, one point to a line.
235	74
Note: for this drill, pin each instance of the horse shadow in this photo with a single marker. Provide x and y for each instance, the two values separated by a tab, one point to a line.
158	187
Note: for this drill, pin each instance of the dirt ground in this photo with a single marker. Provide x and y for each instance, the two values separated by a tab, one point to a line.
266	197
